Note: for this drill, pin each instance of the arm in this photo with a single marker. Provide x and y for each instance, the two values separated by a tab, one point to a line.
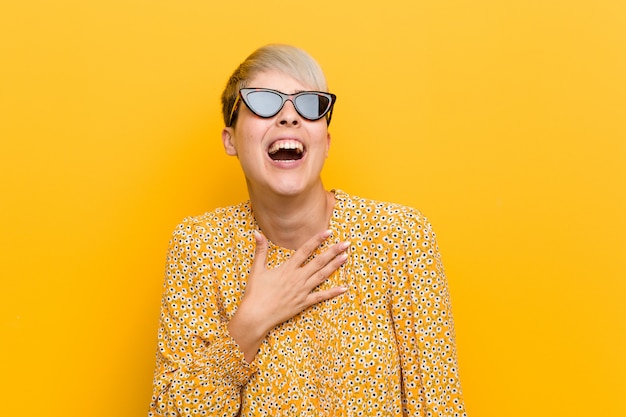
424	327
275	295
200	369
203	359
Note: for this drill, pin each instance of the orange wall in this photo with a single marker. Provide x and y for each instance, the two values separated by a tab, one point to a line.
504	121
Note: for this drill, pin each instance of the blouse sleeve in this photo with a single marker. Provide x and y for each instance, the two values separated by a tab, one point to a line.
200	370
422	317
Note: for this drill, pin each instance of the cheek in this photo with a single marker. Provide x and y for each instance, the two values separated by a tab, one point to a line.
249	140
323	137
254	128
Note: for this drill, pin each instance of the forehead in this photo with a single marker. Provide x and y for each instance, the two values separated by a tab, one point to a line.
279	81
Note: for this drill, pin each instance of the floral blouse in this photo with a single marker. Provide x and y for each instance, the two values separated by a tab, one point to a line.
384	348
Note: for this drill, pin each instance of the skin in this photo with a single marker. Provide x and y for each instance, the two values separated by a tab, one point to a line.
292	208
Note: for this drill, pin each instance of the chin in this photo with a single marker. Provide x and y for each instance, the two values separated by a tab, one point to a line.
289	191
292	189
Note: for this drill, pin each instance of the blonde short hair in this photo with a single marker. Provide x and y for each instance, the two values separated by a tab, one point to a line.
287	59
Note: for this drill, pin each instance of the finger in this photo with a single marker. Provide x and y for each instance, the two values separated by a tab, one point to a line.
309	246
319	296
260	252
326	271
327	256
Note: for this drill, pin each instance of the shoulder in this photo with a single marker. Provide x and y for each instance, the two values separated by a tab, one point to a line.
381	212
219	222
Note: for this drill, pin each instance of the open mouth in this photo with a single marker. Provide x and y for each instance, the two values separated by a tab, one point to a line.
286	150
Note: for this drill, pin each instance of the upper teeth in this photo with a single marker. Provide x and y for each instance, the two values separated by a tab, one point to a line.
286	144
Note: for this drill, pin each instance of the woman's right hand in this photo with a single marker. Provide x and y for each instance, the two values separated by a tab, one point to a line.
275	295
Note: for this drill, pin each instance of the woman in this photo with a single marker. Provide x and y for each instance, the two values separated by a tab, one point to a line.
301	301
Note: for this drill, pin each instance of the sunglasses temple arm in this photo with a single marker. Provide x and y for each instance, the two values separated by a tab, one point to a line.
232	112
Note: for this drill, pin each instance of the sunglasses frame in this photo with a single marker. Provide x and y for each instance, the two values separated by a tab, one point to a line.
243	94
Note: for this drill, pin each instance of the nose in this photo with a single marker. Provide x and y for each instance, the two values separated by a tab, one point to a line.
288	116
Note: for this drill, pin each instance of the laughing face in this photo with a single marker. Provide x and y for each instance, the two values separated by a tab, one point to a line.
283	154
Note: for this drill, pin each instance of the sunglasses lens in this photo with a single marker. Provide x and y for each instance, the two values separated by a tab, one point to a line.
264	103
312	106
267	103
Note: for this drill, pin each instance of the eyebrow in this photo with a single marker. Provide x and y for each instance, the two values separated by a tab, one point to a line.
295	92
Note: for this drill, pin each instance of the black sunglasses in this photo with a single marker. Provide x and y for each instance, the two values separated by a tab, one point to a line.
312	105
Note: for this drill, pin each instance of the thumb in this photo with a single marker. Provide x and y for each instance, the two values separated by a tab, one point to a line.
260	252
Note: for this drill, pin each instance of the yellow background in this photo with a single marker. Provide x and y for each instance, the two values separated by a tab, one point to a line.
503	121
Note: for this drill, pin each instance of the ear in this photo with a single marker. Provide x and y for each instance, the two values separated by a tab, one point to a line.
228	134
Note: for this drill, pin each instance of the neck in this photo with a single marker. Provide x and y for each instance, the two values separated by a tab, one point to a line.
289	221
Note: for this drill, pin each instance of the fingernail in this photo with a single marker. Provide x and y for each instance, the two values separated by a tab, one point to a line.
327	233
345	245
